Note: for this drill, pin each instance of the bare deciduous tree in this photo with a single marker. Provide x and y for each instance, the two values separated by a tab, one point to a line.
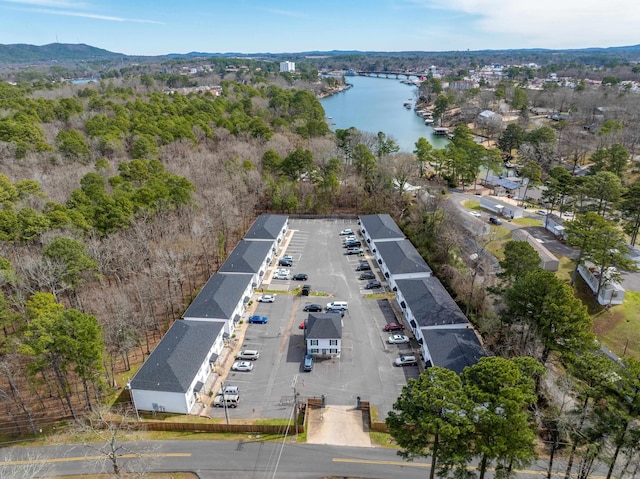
104	432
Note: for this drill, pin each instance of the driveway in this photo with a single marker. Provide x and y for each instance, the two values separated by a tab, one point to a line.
338	426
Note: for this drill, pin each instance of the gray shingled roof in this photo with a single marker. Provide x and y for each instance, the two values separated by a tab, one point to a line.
380	227
430	302
219	297
246	257
324	326
453	349
266	227
401	257
176	360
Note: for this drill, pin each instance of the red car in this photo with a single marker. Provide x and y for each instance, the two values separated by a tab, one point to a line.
393	327
301	326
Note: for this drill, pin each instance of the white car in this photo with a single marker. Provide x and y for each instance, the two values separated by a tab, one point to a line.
287	257
398	339
242	366
346	231
541	212
279	275
267	298
349	238
406	361
475	213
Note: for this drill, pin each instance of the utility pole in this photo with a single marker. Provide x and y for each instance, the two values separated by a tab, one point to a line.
224	402
295	402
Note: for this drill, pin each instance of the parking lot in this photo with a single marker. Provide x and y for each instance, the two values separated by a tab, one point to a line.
365	368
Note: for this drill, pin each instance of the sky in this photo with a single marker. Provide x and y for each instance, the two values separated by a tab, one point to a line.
158	27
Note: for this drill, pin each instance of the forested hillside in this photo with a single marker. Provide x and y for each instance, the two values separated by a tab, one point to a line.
119	199
118	202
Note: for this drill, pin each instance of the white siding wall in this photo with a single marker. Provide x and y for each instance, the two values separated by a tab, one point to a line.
324	347
169	402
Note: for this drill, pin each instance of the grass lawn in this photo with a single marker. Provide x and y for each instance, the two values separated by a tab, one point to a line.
566	268
499	235
619	327
472	205
527	221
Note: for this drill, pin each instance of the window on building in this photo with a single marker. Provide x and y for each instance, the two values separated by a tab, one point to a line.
314	342
315	351
333	342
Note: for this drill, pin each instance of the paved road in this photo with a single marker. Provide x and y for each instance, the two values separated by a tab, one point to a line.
242	460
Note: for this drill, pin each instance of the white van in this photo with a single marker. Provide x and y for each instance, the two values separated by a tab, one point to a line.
230	400
250	354
230	390
337	306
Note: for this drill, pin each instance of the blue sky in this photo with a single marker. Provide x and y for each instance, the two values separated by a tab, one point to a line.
156	27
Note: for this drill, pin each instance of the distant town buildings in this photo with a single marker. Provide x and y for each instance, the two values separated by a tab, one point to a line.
289	67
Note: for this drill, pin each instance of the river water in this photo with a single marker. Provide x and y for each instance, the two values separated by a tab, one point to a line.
376	104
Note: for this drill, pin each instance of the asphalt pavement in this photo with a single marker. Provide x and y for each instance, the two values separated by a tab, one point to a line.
248	458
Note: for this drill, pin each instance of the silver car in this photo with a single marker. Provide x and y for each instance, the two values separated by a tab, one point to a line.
398	339
242	366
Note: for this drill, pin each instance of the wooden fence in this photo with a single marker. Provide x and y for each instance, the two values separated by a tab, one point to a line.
217	427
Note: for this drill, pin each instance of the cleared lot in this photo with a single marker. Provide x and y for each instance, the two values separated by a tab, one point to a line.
365	368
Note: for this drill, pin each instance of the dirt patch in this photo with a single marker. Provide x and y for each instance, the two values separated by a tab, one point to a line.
606	322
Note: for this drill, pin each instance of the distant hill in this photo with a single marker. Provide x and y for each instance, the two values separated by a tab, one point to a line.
61	52
22	53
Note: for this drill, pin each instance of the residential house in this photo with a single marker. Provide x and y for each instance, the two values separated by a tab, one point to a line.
249	257
548	260
400	260
378	228
501	208
268	228
173	376
323	335
428	307
453	349
223	299
611	292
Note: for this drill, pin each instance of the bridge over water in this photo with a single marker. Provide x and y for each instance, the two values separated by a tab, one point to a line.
392	73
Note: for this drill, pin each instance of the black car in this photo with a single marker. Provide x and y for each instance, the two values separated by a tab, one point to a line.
306	290
300	277
352	244
495	221
373	285
368	275
285	262
313	308
364	267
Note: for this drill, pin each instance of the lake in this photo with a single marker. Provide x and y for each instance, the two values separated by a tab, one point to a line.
376	104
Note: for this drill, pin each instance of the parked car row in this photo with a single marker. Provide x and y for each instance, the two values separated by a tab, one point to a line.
285	274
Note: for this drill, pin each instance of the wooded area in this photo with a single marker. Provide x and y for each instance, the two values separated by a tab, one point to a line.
119	199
